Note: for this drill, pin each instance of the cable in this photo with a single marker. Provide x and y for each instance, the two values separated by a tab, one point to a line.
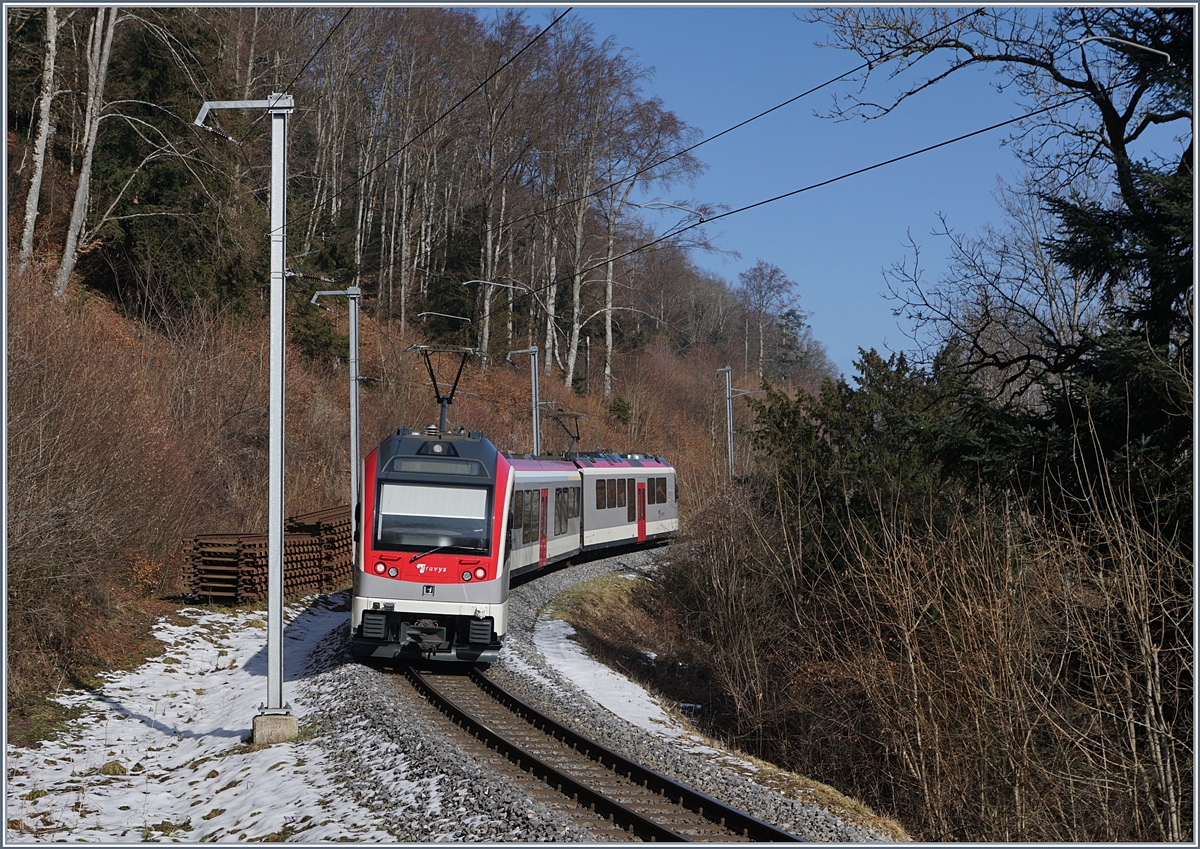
311	59
812	186
737	126
461	101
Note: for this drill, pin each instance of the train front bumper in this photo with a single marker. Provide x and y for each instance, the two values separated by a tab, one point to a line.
388	629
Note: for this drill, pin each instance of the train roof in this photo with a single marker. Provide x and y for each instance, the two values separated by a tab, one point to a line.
431	442
530	462
586	460
607	460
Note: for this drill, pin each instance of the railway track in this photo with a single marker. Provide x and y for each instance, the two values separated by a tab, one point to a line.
606	791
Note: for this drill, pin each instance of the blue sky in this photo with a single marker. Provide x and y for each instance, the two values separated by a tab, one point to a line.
715	67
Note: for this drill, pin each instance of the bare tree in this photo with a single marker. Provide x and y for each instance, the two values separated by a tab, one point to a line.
44	133
766	293
648	135
1098	79
1014	316
99	48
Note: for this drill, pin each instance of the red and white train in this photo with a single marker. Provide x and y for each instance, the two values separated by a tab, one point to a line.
449	520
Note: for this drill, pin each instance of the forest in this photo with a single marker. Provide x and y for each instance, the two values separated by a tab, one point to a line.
957	585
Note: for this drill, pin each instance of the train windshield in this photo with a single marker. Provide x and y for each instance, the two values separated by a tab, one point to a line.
419	517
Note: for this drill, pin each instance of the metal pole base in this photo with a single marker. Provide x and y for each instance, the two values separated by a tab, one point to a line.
275	727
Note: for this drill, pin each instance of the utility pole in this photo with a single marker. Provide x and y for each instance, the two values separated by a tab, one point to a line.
352	293
729	411
730	394
275	723
533	372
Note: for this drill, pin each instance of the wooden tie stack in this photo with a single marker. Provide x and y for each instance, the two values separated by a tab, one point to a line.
332	527
234	567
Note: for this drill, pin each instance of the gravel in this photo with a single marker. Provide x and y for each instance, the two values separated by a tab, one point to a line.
425	791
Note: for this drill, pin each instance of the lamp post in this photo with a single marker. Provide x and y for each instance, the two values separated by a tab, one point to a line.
352	293
730	394
275	722
533	376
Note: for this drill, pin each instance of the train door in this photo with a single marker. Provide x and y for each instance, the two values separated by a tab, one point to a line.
641	511
542	532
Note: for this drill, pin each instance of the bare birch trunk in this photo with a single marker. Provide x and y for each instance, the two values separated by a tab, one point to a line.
99	48
551	297
42	139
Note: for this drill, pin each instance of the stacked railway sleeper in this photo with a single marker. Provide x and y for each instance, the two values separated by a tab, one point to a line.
332	527
233	568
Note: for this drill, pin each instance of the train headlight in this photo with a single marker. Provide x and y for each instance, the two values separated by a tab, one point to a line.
393	572
480	572
380	568
466	576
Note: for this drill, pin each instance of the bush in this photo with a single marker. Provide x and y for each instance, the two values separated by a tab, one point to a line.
100	489
993	675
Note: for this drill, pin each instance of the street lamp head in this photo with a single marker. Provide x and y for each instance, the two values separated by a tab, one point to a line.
494	283
659	203
1126	42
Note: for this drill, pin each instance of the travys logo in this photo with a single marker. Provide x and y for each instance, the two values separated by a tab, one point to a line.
423	568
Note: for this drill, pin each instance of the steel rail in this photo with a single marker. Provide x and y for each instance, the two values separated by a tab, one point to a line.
641	826
711	809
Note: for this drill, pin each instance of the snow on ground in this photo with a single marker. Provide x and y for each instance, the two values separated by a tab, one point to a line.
618	694
161	753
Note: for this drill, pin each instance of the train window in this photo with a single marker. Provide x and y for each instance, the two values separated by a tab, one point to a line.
601	501
612	493
620	493
437	467
424	517
631	513
651	491
662	491
577	499
518	509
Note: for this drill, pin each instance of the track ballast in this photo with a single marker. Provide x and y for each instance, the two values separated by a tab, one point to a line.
609	787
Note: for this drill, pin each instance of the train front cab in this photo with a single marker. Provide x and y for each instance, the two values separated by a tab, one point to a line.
431	580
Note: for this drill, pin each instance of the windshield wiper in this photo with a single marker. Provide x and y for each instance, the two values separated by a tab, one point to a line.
417	557
479	544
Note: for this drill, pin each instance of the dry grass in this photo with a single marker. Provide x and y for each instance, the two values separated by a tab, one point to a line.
1004	677
632	627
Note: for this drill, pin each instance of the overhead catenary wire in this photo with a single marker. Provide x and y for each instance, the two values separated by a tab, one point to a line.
810	187
460	102
740	124
659	162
